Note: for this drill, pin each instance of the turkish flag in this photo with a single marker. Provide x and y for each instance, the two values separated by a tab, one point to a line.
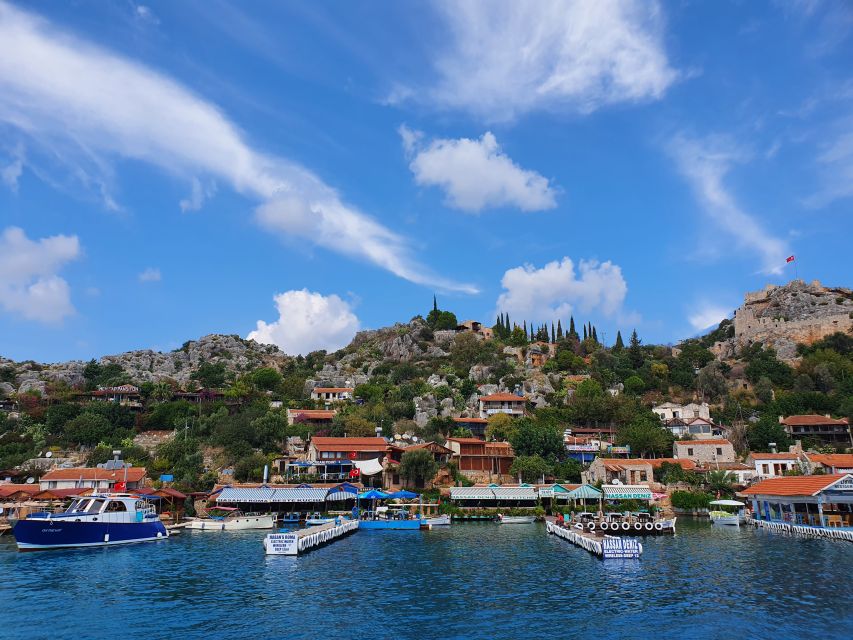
789	259
120	487
354	473
353	455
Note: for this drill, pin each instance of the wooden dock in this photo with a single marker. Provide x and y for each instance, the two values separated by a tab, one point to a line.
301	541
805	530
605	547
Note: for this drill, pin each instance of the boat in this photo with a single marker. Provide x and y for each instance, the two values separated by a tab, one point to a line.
728	518
91	521
502	519
316	519
390	519
438	521
232	519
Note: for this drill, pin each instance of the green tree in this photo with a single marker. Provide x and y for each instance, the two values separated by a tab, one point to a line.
500	427
89	429
764	390
57	415
266	379
634	385
531	468
535	437
711	381
209	375
767	430
646	436
720	481
418	467
250	468
635	351
619	345
569	470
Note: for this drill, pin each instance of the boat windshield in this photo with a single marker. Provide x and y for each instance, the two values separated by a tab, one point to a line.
95	506
78	505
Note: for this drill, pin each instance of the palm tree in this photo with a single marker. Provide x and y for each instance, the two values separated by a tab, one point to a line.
162	392
721	482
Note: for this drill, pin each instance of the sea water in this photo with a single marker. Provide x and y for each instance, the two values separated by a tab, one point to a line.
477	580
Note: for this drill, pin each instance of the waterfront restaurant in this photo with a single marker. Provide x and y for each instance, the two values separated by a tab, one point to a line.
494	496
818	501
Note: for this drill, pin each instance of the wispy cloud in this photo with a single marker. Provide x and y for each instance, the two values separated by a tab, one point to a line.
506	58
151	274
475	174
54	87
705	163
30	284
705	315
835	165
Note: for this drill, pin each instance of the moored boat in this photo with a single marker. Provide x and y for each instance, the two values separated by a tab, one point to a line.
438	521
91	521
728	517
232	519
502	519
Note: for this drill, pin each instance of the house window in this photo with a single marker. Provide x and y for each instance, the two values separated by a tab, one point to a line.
690	451
695	414
643	476
719	451
765	469
675	414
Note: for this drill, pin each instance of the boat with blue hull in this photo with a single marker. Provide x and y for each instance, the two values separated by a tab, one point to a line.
91	521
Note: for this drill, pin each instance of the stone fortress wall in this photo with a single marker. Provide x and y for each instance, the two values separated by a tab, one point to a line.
783	316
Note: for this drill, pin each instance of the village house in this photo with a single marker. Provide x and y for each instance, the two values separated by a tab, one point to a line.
704	451
830	462
628	470
332	394
318	418
473	326
771	465
482	460
365	454
823	428
508	403
670	410
477	426
583	449
127	395
392	479
93	477
743	473
699	428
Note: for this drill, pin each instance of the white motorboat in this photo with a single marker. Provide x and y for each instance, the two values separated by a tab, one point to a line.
438	521
316	519
232	519
722	516
502	519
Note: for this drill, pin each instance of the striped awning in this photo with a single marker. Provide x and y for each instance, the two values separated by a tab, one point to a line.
471	493
299	495
627	492
245	494
514	493
584	492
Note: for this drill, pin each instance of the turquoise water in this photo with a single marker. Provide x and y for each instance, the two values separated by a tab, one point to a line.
467	581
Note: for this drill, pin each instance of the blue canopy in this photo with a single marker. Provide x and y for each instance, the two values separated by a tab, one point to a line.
373	494
345	487
403	494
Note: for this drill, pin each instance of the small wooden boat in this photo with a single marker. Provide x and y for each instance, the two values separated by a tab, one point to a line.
231	519
502	519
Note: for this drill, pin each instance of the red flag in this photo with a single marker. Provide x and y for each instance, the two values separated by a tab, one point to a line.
789	259
120	487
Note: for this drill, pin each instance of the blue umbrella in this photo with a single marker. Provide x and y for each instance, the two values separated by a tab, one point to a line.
403	494
373	494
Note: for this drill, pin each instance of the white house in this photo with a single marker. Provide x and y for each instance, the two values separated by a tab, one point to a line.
772	465
508	403
332	394
92	477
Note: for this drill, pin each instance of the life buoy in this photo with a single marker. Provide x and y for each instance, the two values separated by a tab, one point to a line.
605	526
649	526
638	526
658	526
626	526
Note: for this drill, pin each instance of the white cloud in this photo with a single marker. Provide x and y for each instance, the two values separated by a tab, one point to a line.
835	165
198	194
508	57
705	163
29	282
13	171
556	290
144	14
475	174
308	321
706	315
61	90
151	274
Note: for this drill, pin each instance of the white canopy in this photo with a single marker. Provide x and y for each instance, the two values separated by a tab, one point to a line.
368	467
727	503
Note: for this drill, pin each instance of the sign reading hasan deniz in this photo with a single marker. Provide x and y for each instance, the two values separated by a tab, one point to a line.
621	548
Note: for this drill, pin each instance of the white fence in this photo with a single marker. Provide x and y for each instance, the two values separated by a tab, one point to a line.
804	530
291	544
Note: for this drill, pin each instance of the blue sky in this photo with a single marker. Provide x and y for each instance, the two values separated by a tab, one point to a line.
298	172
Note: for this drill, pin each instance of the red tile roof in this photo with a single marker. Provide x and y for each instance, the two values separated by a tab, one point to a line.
475	420
793	485
134	474
843	460
323	443
333	389
502	397
773	456
466	440
811	419
7	490
726	466
655	463
312	414
698	442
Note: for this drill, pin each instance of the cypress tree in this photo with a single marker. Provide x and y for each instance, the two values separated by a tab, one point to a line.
559	330
619	344
434	303
635	353
525	329
584	332
553	333
572	331
594	334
